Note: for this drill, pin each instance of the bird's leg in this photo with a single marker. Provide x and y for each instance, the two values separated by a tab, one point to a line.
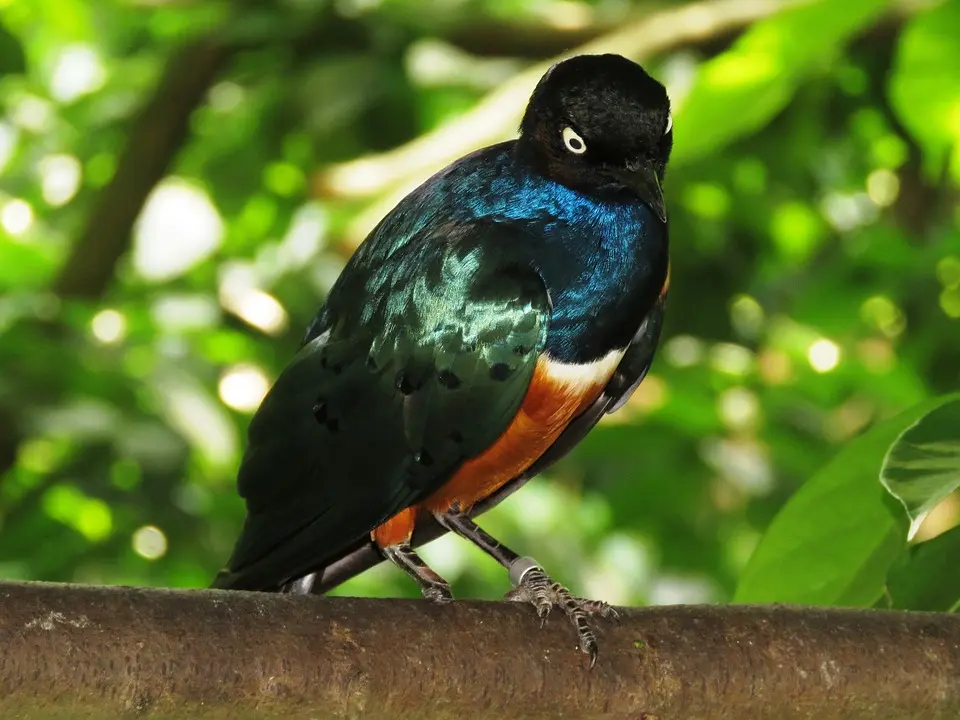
431	585
531	583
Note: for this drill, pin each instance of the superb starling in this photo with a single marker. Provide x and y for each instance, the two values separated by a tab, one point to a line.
478	334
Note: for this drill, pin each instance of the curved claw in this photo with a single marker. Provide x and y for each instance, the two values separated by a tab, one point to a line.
538	589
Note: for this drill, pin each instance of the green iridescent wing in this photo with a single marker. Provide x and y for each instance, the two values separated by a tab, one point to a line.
420	359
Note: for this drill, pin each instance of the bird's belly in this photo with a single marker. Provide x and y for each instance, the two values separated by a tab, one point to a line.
558	393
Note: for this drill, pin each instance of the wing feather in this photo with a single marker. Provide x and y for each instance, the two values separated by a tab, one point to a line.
392	392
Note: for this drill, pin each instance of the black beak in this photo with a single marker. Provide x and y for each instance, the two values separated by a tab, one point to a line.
643	181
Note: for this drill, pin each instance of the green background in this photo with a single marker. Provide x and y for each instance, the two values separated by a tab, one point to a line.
815	277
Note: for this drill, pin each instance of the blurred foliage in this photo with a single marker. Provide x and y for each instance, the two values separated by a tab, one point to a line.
815	290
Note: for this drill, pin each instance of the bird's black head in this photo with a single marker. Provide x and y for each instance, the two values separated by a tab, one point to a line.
600	124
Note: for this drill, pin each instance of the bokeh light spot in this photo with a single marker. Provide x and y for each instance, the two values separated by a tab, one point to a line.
78	71
739	408
746	315
823	355
731	358
683	351
883	187
16	217
178	228
109	326
242	387
59	178
149	542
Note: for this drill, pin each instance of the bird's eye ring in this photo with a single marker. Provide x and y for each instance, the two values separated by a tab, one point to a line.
669	123
573	142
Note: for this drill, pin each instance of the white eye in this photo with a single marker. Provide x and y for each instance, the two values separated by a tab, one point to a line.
669	123
574	142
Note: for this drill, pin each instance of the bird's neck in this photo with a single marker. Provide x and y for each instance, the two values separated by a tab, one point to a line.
604	263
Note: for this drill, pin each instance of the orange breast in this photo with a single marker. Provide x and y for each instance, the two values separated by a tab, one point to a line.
557	394
549	406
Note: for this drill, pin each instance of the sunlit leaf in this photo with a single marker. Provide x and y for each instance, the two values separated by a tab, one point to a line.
923	466
835	540
761	72
925	87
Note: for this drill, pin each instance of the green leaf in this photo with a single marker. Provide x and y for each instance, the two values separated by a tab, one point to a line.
926	578
835	540
12	58
925	87
761	72
923	466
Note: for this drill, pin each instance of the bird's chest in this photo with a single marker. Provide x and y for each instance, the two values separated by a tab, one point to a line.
604	286
558	393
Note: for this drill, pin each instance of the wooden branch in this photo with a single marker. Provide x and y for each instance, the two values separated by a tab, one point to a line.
86	652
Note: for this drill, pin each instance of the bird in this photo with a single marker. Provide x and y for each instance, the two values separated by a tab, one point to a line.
478	334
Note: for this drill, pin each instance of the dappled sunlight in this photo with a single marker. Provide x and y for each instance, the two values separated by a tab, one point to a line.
174	313
30	112
683	350
883	187
731	359
16	217
178	228
61	176
149	542
824	355
109	326
242	387
253	306
78	70
739	408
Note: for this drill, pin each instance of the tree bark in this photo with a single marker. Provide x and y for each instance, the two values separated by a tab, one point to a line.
85	652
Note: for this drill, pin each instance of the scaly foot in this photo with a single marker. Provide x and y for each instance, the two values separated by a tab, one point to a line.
533	585
433	587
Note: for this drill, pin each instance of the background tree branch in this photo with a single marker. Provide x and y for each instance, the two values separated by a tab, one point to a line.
496	117
100	652
154	141
157	135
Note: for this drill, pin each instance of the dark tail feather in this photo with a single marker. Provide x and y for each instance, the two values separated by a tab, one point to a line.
229	580
355	559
